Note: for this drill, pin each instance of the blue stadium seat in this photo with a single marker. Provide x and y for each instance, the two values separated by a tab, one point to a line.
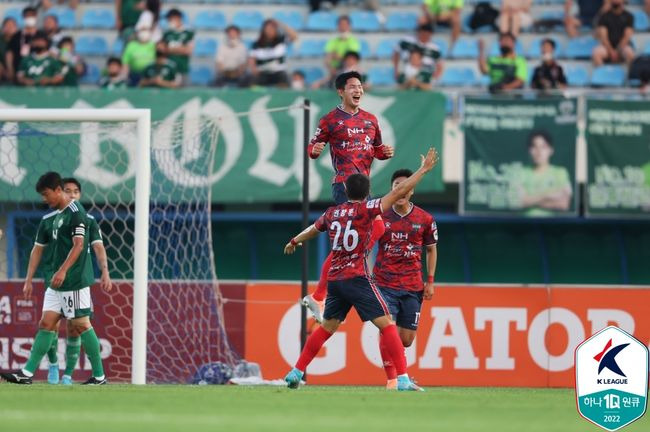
205	47
364	21
401	21
210	20
535	47
365	49
381	76
312	48
458	76
91	76
577	75
641	22
293	19
581	47
98	18
16	14
65	16
465	48
385	48
443	45
312	74
608	76
248	20
408	2
91	46
118	47
322	21
494	49
200	75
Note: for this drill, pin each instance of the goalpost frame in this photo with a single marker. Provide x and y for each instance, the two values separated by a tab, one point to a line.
142	118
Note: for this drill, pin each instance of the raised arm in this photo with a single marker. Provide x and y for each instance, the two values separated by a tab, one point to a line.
428	162
308	233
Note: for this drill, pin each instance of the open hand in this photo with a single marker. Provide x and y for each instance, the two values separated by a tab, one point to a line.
430	160
289	248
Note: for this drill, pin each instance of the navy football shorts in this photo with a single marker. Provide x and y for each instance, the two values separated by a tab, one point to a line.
358	292
404	306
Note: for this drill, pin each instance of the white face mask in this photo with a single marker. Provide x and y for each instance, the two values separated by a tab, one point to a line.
547	56
144	35
30	22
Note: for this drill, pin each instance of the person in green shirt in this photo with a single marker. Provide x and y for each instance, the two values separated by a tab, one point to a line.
160	74
507	71
72	65
39	68
445	13
138	54
114	78
415	76
340	44
178	43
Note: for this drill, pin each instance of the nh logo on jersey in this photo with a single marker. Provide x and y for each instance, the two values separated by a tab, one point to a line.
399	236
611	378
352	131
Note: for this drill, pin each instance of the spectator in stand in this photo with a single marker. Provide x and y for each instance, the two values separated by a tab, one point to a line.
232	59
138	54
515	14
72	65
614	32
127	13
587	14
148	19
414	75
178	43
298	80
340	44
39	68
315	5
351	62
20	43
160	74
507	71
114	78
443	13
431	59
47	4
9	29
268	54
549	75
53	31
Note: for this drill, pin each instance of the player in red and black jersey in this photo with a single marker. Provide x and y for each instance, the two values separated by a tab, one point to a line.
398	267
349	226
355	141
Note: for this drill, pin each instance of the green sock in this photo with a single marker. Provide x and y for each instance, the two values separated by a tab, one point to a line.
73	346
42	343
90	343
53	352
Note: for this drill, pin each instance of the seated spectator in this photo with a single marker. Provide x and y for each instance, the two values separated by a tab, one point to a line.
431	58
298	80
507	71
148	19
268	55
9	28
115	77
548	75
340	44
127	13
351	62
39	68
315	5
19	45
52	31
178	43
138	54
415	76
587	14
614	32
515	14
162	73
72	65
444	13
232	59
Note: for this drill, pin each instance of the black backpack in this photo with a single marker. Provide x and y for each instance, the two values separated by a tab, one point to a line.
640	70
484	15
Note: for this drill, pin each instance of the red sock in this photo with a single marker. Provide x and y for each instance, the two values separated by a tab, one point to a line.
389	367
321	290
378	229
394	348
314	343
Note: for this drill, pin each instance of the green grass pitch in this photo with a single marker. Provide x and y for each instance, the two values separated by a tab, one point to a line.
125	408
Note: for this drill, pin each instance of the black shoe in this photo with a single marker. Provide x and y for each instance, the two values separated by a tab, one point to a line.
17	377
94	381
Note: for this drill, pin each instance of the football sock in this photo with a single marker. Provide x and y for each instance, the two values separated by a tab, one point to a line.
42	343
72	349
315	341
394	348
378	229
53	352
91	347
389	367
321	290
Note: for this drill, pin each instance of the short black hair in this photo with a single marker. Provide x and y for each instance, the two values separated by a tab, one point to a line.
404	172
343	18
41	35
427	27
509	35
64	40
56	18
29	10
233	27
174	13
343	78
354	54
357	187
71	180
114	60
549	41
299	73
7	19
49	180
540	133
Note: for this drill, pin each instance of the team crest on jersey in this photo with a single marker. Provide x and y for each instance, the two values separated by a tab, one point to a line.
416	227
368	123
60	223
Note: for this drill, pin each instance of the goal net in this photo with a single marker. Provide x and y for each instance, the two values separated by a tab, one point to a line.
173	298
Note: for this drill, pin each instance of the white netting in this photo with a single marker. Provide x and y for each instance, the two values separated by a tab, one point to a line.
185	316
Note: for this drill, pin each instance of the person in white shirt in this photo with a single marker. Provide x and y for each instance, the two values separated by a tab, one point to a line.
232	59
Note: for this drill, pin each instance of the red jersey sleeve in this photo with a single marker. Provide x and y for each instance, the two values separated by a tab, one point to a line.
321	223
321	135
374	208
430	236
378	144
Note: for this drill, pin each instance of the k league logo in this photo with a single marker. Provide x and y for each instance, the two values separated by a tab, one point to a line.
611	378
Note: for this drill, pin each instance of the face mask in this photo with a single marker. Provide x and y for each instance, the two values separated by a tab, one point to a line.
297	85
30	22
144	35
547	56
505	50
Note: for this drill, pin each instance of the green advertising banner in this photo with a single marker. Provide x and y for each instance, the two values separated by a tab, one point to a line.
258	155
618	158
520	157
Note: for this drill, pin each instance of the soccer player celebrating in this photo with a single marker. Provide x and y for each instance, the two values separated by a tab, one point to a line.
398	268
349	228
355	141
68	294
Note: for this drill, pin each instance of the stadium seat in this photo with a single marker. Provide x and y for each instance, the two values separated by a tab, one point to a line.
310	48
98	19
581	47
312	74
65	16
248	20
365	49
385	48
293	19
577	75
118	47
401	21
364	21
210	20
91	76
381	76
465	48
91	46
205	47
408	2
16	14
200	75
443	45
494	49
457	76
608	76
322	21
535	47
641	22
